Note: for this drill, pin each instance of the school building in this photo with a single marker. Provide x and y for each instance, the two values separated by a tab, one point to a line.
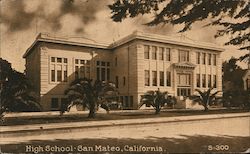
136	63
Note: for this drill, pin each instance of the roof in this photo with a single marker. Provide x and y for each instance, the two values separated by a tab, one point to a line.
167	39
81	41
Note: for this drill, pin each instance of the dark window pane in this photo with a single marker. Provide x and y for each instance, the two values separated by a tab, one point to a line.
168	78
146	52
154	78
76	61
65	76
97	63
59	60
65	60
59	75
154	52
108	74
103	74
198	80
98	73
52	59
82	61
161	78
147	78
53	76
76	72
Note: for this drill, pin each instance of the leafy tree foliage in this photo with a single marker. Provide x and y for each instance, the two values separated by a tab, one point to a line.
16	92
205	98
232	73
90	94
232	15
157	99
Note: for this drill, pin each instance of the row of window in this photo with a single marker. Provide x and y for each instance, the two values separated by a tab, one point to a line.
204	81
59	69
183	55
206	58
154	78
163	53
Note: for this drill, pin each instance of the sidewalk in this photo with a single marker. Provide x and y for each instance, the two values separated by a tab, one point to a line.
68	127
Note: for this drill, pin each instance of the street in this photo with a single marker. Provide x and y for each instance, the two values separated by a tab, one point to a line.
216	135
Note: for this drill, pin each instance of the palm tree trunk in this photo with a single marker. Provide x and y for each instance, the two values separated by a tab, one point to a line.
205	108
157	110
91	110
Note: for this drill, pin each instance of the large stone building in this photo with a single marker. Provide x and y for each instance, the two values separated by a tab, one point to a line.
136	63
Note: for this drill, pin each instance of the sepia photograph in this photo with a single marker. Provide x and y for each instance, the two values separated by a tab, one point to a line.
124	76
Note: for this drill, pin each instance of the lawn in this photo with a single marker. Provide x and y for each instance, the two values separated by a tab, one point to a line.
139	114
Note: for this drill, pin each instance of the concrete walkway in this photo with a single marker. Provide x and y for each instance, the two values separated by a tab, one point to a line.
69	126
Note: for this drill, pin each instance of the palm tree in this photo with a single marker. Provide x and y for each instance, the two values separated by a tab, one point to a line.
205	98
89	94
17	94
157	99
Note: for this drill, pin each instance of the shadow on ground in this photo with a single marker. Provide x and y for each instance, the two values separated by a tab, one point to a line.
185	144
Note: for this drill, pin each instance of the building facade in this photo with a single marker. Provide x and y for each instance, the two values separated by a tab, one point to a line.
136	64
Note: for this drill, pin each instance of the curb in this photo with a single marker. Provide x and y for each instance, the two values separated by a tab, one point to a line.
38	129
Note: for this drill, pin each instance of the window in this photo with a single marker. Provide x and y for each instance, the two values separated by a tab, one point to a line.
108	73
215	82
131	101
117	81
204	58
204	80
115	61
183	56
124	81
103	70
103	73
214	60
82	68
198	56
161	78
168	78
58	69
184	79
147	78
168	54
146	52
59	73
154	77
198	80
209	59
154	52
53	75
121	100
54	103
98	73
161	53
209	81
126	101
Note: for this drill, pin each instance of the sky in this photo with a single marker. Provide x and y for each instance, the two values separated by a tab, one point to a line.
23	20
